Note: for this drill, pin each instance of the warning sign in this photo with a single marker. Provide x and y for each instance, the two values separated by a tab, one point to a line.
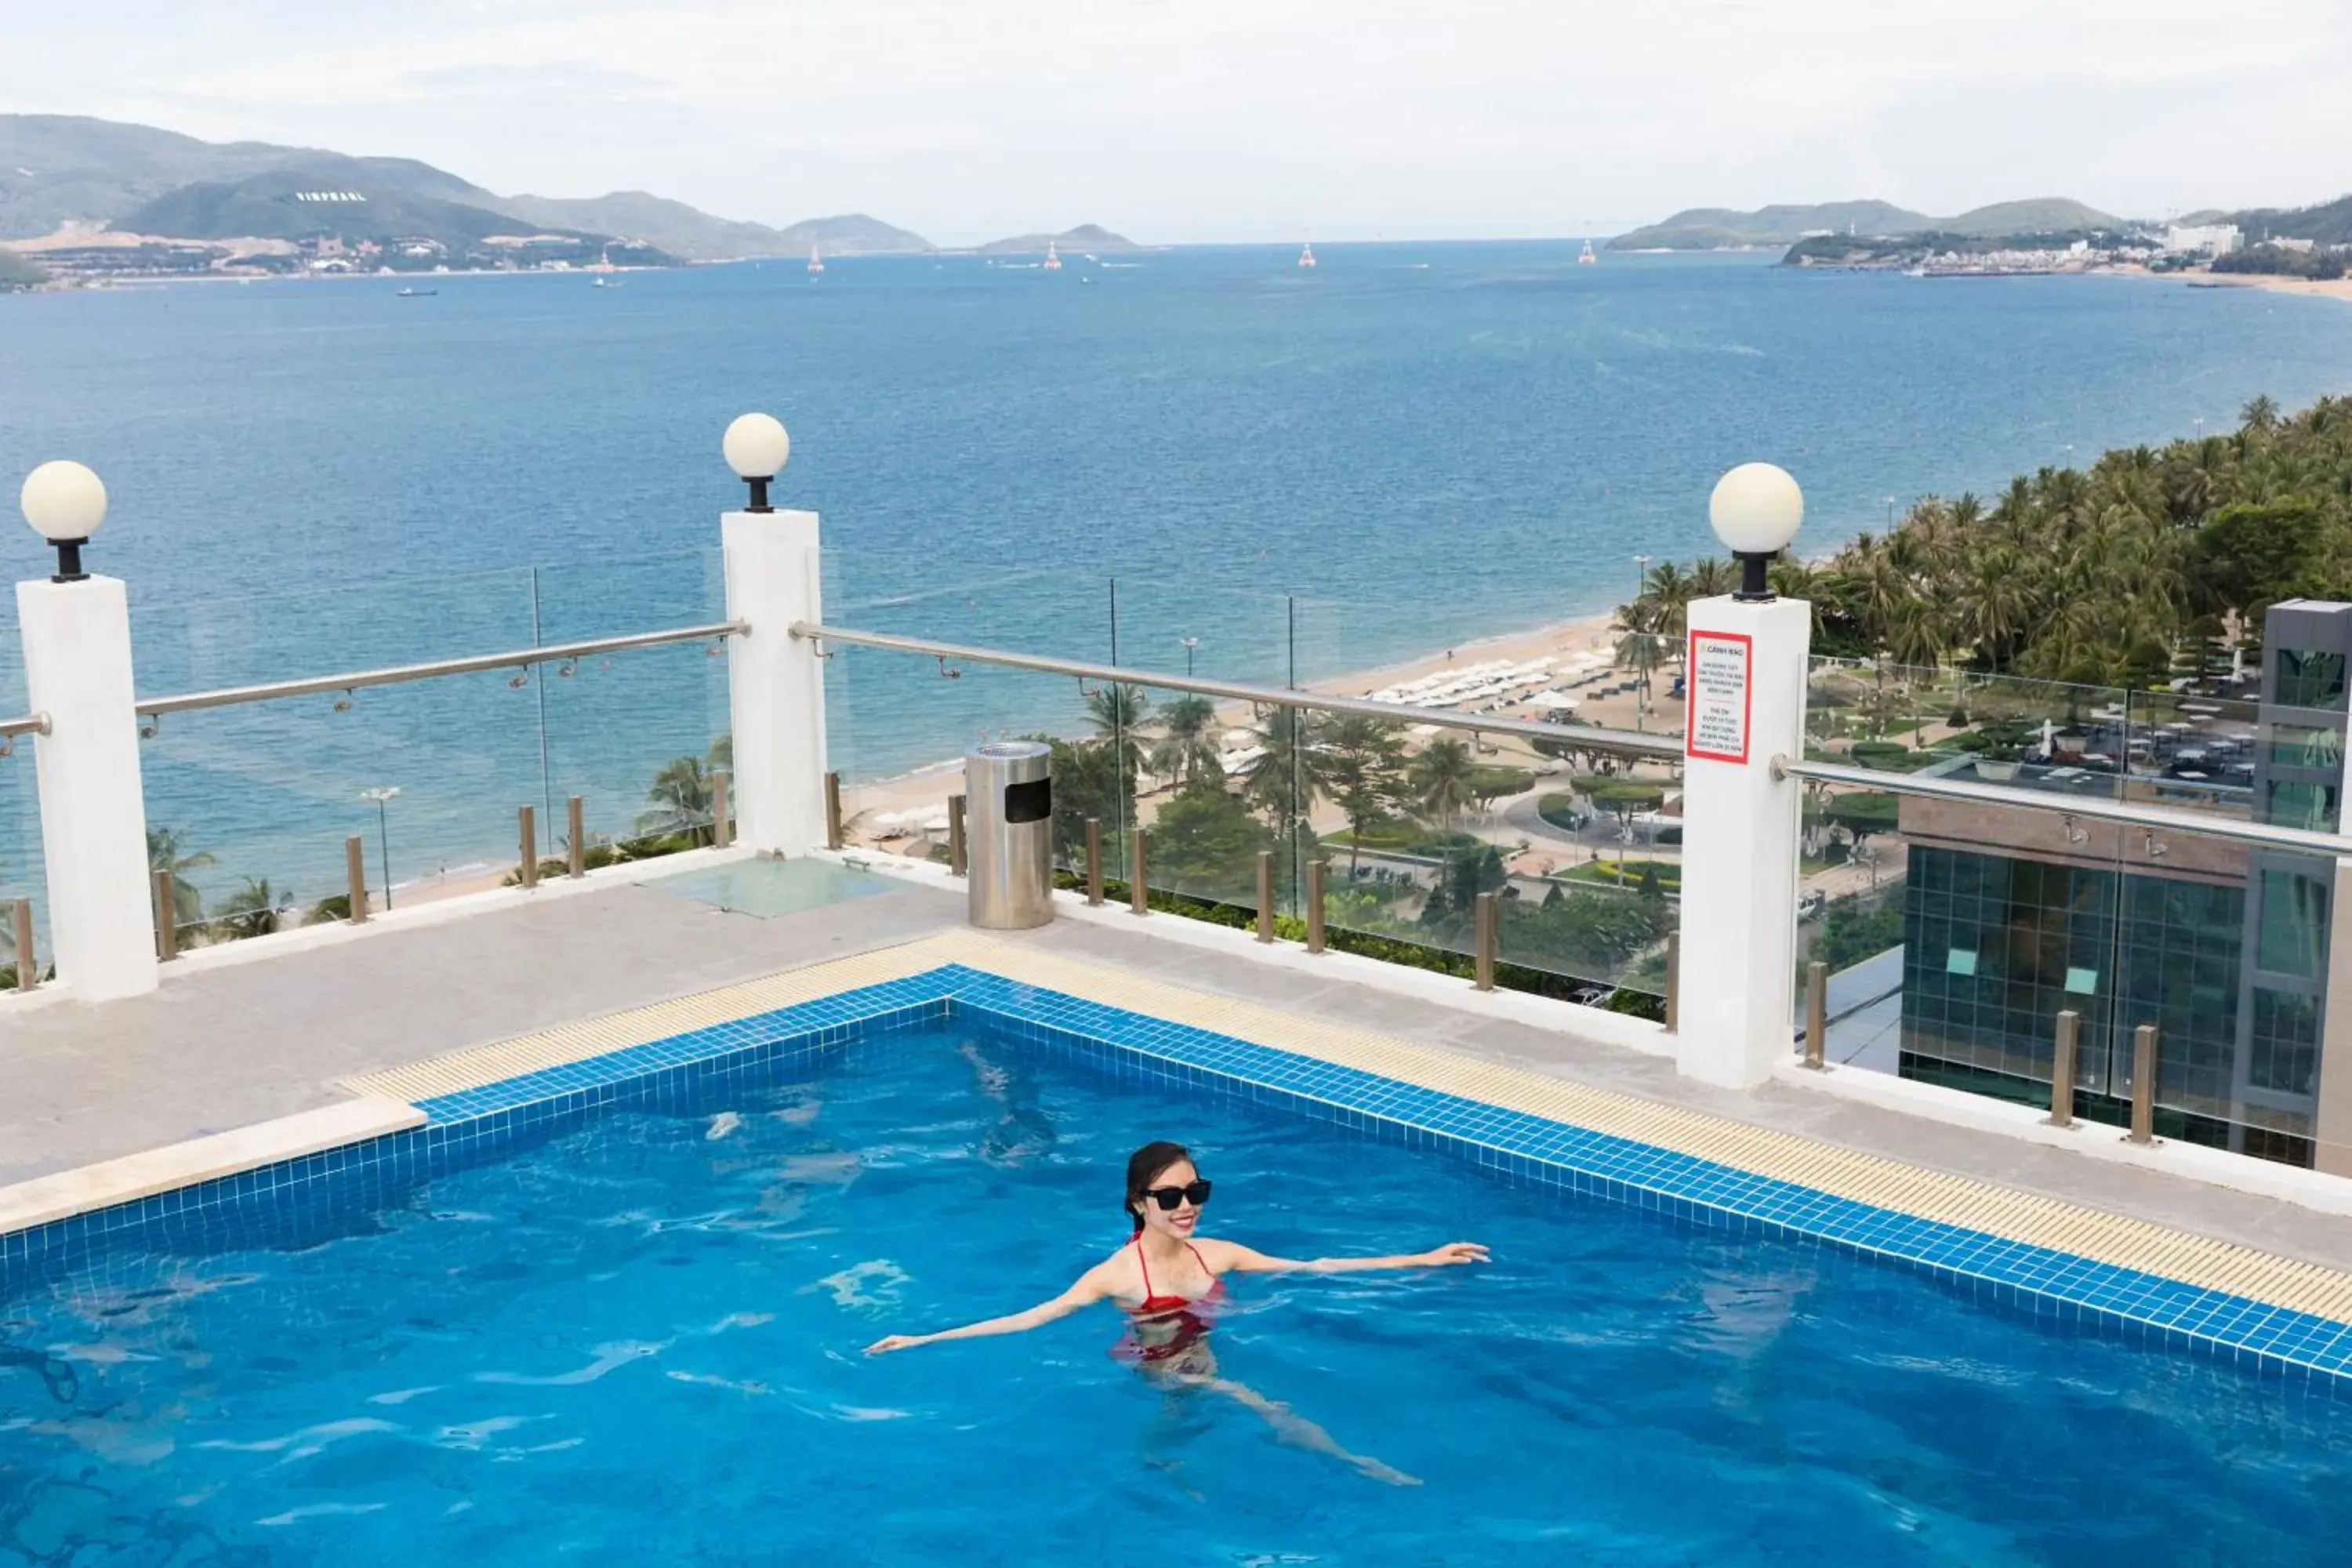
1718	705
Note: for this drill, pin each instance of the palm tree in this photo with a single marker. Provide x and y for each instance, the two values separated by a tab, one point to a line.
681	798
1187	745
253	909
168	851
1440	779
1287	776
1711	578
1119	712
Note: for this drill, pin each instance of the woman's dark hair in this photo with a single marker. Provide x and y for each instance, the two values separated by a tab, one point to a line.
1141	1166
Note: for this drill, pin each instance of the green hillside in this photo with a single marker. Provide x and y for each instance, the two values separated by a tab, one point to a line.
1720	229
1085	236
2329	223
55	167
288	204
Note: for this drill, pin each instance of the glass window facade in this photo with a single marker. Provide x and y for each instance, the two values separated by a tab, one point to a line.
2120	950
2307	678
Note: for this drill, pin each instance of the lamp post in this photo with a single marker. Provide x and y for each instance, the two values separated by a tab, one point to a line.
1190	644
1890	512
1641	574
756	446
378	796
1756	511
64	503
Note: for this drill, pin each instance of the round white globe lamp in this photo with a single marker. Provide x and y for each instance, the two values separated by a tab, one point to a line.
64	503
757	447
1756	511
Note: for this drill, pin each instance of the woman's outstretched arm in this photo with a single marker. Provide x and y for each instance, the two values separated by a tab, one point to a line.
1085	1293
1232	1256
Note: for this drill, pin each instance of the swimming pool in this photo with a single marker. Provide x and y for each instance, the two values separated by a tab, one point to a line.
639	1340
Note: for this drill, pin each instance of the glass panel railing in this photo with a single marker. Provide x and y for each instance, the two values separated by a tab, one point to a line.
1957	932
251	804
21	871
638	735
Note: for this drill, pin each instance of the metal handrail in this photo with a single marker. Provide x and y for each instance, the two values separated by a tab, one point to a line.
1619	740
393	675
2168	819
30	724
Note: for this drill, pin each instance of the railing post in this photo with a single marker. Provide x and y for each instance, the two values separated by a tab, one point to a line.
527	830
1315	906
833	837
1483	920
1265	895
1817	1015
77	643
1094	862
1746	665
955	835
2064	1047
576	832
1139	891
28	963
2143	1093
775	681
167	918
722	831
355	877
1673	980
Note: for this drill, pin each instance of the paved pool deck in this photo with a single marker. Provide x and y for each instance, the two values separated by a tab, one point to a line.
218	1048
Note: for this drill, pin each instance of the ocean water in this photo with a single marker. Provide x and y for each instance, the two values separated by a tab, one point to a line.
641	1341
1307	472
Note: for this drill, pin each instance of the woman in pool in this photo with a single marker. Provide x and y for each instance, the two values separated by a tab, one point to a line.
1166	1279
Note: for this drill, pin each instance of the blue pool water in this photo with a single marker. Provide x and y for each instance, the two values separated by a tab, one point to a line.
639	1341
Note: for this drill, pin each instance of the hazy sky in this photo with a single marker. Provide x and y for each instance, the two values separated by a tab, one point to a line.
1200	120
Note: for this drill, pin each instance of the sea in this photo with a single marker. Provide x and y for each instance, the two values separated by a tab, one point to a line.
1206	454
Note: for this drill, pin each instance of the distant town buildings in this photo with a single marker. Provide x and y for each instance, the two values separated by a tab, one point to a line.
2205	239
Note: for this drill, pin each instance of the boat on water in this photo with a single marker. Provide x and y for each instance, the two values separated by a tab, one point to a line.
1053	257
417	293
606	283
817	262
1306	256
1585	258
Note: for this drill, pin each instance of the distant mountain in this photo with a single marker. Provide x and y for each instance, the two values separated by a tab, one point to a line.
289	202
55	168
684	231
1720	229
854	234
1085	236
2330	223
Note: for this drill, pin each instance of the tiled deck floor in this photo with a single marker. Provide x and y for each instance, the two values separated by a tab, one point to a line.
217	1050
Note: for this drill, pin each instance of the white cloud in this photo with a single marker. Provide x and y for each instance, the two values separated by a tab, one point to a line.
1251	119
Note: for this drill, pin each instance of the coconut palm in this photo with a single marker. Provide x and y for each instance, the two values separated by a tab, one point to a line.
1187	747
680	797
167	850
1287	778
1440	780
1118	712
254	909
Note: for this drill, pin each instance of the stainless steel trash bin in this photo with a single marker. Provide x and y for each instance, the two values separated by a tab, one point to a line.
1009	831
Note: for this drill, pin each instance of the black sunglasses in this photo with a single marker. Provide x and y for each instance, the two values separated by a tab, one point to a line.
1197	1194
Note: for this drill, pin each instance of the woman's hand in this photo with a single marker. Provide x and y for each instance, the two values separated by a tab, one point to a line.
889	1342
1453	1252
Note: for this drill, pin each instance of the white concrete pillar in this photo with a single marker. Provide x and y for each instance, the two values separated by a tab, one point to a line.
1746	687
77	640
775	681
